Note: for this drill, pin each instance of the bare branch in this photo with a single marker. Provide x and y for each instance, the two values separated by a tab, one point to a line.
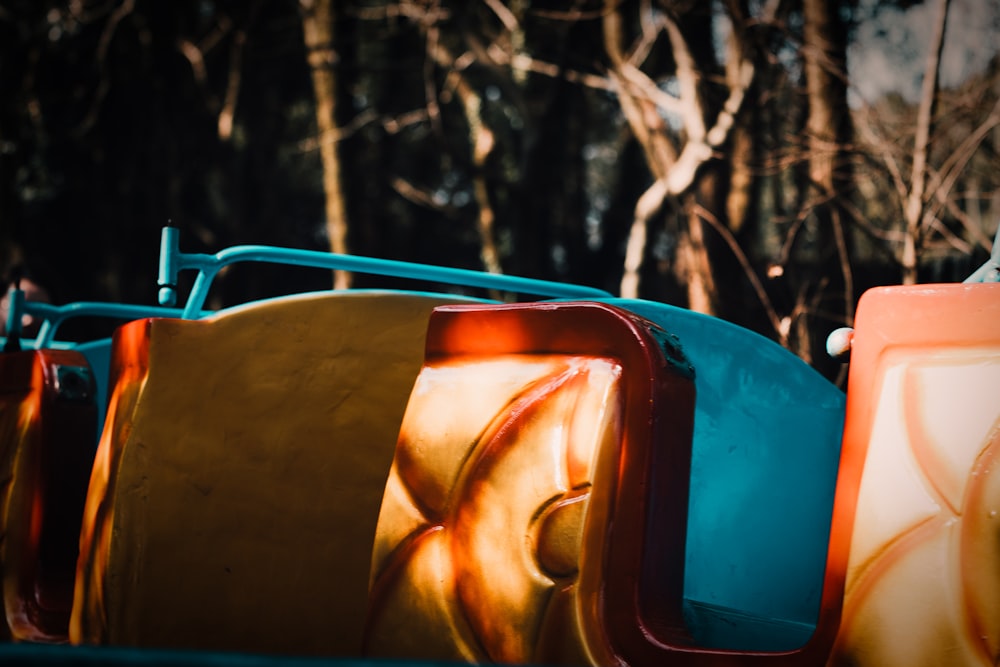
419	196
652	24
194	56
483	142
103	44
952	168
758	287
645	87
915	200
524	62
575	15
687	79
674	175
505	15
883	147
228	112
950	238
424	14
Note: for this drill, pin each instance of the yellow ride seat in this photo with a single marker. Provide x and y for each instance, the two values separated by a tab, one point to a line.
48	417
238	478
540	443
915	540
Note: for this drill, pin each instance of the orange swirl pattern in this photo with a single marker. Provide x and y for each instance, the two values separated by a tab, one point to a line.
486	531
514	523
923	583
922	576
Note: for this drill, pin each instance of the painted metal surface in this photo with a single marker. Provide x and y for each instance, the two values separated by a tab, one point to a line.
54	316
989	272
172	261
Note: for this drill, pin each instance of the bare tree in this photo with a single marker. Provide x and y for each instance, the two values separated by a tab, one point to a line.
317	29
914	207
482	144
925	176
674	167
827	122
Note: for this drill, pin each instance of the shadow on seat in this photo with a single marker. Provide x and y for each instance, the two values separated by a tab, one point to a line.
235	493
915	543
48	416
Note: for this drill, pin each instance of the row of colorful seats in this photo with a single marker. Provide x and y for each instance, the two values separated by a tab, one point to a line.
580	480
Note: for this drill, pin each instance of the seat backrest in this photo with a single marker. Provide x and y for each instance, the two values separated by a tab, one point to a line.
48	416
517	501
551	500
914	541
235	493
767	438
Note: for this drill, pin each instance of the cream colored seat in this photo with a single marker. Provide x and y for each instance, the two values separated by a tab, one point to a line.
236	490
914	543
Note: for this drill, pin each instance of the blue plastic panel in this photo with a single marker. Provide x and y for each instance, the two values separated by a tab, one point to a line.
765	454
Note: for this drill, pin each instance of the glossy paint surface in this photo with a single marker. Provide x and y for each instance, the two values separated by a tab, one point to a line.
238	478
917	533
516	519
47	421
766	446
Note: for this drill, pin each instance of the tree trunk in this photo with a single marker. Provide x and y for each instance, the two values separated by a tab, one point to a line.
317	28
827	129
914	210
482	142
675	171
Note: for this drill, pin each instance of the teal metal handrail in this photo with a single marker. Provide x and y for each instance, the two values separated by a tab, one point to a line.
54	316
172	261
989	272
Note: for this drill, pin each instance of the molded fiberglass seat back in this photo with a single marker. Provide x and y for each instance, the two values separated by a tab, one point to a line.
237	482
48	418
915	537
514	523
546	519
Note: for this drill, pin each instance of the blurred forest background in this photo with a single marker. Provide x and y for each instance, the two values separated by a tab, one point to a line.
762	161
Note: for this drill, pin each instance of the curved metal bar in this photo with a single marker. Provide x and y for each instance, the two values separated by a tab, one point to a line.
53	316
989	272
172	261
15	310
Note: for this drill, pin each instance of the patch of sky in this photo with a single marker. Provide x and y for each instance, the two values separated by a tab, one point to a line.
889	48
672	87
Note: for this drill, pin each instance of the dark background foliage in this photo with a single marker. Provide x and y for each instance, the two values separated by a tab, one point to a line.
118	117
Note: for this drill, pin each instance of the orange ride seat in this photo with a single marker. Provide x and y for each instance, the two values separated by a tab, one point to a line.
540	444
238	478
48	417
